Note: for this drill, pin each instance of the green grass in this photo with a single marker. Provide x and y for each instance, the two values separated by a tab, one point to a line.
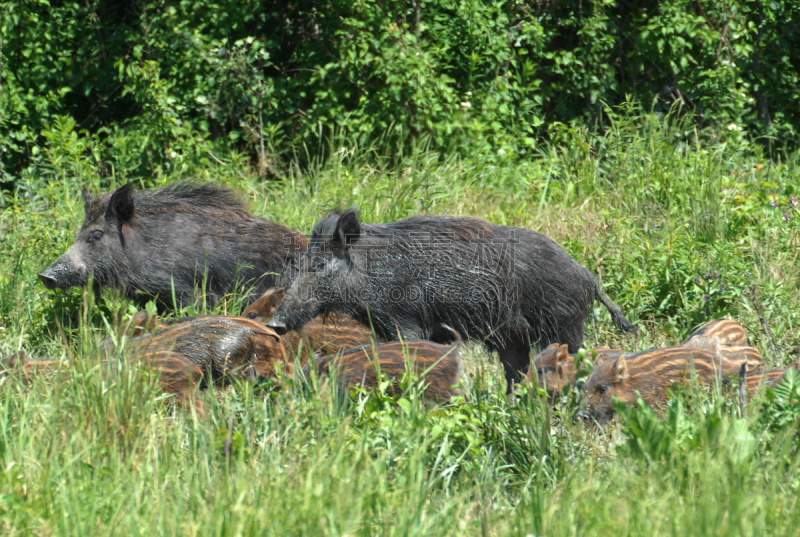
680	229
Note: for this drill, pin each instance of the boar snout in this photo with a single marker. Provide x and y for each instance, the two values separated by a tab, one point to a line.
67	271
48	281
278	326
58	275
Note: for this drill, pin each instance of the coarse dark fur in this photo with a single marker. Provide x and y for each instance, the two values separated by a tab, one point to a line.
183	234
509	287
439	365
653	372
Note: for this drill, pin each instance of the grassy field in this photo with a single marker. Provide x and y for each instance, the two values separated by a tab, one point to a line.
681	227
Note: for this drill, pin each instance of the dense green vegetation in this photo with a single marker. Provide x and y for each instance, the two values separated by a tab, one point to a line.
680	233
150	85
686	206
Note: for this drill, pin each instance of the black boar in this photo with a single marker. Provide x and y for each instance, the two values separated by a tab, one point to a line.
181	235
510	287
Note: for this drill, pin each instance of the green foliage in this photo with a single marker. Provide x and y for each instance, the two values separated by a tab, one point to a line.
154	86
781	413
707	428
97	450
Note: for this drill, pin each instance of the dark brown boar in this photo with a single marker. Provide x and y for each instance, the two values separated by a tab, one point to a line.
511	288
724	331
553	368
327	333
651	374
758	379
439	365
220	347
270	348
179	237
177	375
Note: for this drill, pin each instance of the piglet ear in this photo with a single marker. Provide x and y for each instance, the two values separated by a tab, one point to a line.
563	353
276	297
271	299
120	206
621	368
348	228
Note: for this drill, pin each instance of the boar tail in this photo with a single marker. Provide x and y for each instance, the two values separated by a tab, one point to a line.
619	318
456	335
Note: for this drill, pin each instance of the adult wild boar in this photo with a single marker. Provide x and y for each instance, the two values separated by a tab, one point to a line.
510	287
181	236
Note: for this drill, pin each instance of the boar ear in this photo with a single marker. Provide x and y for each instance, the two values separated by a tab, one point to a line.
621	368
563	353
87	196
121	203
348	228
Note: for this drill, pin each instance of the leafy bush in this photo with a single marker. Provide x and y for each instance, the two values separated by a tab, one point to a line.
153	84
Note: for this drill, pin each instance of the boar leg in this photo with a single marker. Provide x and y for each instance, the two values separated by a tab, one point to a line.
516	358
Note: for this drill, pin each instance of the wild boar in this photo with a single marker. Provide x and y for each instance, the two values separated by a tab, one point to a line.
439	365
508	287
177	375
652	373
756	380
270	348
328	333
263	308
221	348
553	368
725	331
179	237
323	337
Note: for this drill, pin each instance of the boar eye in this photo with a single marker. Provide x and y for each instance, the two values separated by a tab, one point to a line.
96	235
603	388
252	315
319	266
